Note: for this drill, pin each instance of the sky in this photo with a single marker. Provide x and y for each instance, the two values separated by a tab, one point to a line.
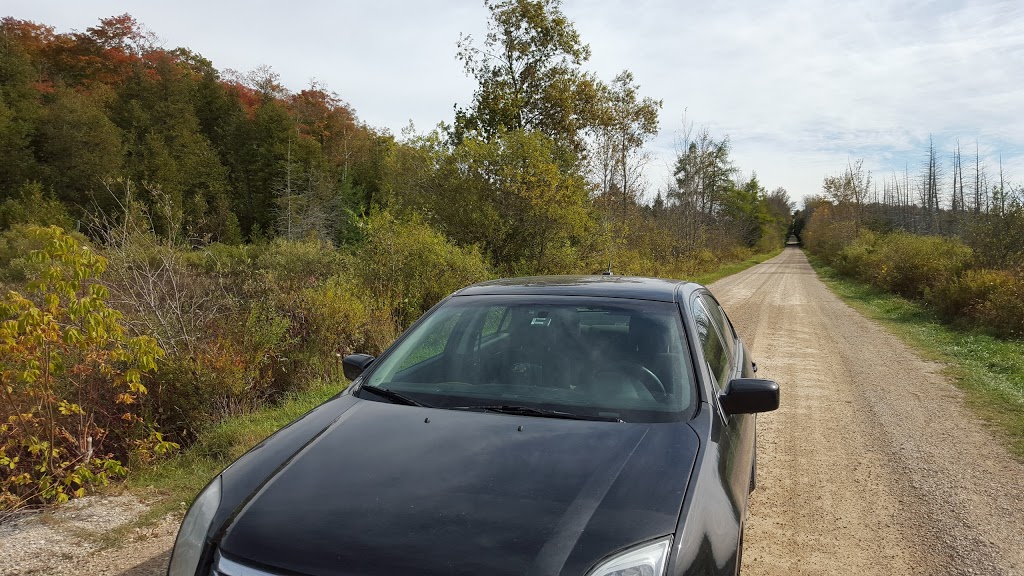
801	87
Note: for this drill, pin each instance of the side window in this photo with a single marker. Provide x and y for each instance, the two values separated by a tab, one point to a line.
715	352
722	322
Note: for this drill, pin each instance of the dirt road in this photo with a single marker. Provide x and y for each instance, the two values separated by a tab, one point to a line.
872	465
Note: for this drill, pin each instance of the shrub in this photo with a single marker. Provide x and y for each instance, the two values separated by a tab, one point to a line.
1003	312
293	265
72	380
859	257
961	297
243	361
33	207
343	318
911	265
408	267
992	300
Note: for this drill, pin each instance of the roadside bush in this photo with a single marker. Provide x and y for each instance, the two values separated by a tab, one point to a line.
244	360
32	206
992	300
293	265
912	265
961	298
72	379
408	267
343	319
859	258
1003	311
16	245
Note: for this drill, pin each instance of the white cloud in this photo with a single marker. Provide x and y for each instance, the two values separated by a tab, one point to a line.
800	86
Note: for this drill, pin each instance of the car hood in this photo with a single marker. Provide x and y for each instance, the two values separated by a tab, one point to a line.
391	489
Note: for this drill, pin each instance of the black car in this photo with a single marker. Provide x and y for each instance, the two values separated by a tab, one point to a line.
590	426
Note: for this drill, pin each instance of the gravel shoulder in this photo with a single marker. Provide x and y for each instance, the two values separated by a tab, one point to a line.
73	539
873	464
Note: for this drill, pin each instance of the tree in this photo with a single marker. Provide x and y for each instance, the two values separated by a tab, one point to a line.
625	123
308	201
528	75
703	174
19	111
169	154
80	148
929	190
703	170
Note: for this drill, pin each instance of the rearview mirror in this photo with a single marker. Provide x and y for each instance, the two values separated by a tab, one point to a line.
354	364
749	395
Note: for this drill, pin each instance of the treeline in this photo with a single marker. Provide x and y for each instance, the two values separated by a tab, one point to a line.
184	244
542	170
951	238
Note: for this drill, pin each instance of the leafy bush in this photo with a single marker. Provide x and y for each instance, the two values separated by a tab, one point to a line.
72	380
33	207
911	265
859	257
293	265
961	297
408	267
990	299
1003	311
16	244
344	318
937	270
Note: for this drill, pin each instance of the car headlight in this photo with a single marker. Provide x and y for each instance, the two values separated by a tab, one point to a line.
647	560
188	547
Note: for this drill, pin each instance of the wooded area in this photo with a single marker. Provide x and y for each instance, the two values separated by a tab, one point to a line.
182	243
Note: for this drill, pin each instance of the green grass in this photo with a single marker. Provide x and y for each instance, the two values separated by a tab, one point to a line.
735	267
989	369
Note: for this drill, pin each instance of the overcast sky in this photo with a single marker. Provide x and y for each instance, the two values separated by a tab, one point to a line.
800	86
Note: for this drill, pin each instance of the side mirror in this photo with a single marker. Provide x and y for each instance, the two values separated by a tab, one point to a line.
749	395
354	364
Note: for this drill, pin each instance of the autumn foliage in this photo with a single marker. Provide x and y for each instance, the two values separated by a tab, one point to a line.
72	379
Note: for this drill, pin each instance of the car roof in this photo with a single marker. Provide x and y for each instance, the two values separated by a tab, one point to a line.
610	286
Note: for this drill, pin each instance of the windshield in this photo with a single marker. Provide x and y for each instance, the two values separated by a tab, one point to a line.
605	357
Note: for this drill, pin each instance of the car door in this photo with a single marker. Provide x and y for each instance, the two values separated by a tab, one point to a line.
721	354
743	369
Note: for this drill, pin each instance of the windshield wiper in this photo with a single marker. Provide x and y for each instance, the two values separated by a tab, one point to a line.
393	396
538	412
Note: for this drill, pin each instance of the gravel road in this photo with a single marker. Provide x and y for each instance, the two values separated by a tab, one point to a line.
871	466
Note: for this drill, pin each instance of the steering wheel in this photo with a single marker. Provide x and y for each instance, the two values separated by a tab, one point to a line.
637	372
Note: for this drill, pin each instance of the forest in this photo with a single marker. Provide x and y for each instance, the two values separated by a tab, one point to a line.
180	244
